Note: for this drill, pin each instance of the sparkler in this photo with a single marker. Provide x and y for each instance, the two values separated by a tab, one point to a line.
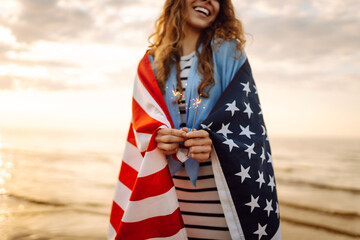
197	103
177	96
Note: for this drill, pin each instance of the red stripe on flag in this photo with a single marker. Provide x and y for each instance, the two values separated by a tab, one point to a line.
162	226
152	185
131	136
127	175
116	216
142	122
146	76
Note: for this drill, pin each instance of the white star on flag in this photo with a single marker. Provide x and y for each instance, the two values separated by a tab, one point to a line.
270	158
246	131
271	183
256	92
253	203
264	132
277	210
225	130
206	126
231	144
268	207
250	150
260	180
246	88
248	110
262	155
261	231
232	107
260	110
244	173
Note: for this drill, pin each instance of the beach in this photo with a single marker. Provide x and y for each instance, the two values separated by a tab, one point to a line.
59	184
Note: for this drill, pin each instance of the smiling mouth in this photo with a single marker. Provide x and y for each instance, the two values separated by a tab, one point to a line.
202	10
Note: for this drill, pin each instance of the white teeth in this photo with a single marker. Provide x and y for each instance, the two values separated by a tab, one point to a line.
203	10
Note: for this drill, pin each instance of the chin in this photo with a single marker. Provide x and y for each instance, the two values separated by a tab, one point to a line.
199	25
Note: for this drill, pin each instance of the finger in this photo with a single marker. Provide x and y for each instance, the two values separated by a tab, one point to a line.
168	139
201	157
200	149
166	147
169	152
171	131
185	129
197	134
197	142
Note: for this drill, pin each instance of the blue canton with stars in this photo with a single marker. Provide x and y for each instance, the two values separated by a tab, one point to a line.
238	132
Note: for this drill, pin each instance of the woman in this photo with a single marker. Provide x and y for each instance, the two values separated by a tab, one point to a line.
199	70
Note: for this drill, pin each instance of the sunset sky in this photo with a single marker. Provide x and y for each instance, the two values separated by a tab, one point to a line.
70	64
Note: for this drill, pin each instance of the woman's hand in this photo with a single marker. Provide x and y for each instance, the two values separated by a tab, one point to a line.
199	144
168	139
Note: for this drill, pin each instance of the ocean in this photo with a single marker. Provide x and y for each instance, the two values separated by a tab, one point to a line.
59	184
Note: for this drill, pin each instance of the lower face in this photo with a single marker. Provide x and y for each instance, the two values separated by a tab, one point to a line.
200	14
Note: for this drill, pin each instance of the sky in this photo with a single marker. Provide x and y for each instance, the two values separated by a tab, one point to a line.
70	64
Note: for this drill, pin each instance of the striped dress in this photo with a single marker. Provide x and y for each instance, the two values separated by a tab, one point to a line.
200	206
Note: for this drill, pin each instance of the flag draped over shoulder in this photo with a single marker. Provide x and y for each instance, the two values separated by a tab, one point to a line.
145	204
242	161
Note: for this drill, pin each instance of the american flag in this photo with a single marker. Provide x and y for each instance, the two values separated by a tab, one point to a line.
242	160
145	204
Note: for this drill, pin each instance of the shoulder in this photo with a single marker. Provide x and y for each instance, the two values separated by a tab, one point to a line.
228	48
227	56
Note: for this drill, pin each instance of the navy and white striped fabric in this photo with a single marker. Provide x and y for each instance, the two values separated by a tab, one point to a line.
200	206
185	65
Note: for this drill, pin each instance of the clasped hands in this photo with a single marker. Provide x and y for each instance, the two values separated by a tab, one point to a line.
198	142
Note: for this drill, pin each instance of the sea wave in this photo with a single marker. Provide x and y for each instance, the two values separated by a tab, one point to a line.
330	229
321	185
80	207
337	212
36	201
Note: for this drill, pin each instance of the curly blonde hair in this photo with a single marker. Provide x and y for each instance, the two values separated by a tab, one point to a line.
166	42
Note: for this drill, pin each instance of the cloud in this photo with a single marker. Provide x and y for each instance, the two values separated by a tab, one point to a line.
297	41
327	9
304	43
14	83
6	83
3	50
301	30
44	63
303	39
46	20
80	21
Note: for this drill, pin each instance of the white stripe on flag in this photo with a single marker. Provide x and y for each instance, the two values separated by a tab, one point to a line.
111	232
227	204
161	205
122	195
146	101
277	235
142	140
153	162
132	156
